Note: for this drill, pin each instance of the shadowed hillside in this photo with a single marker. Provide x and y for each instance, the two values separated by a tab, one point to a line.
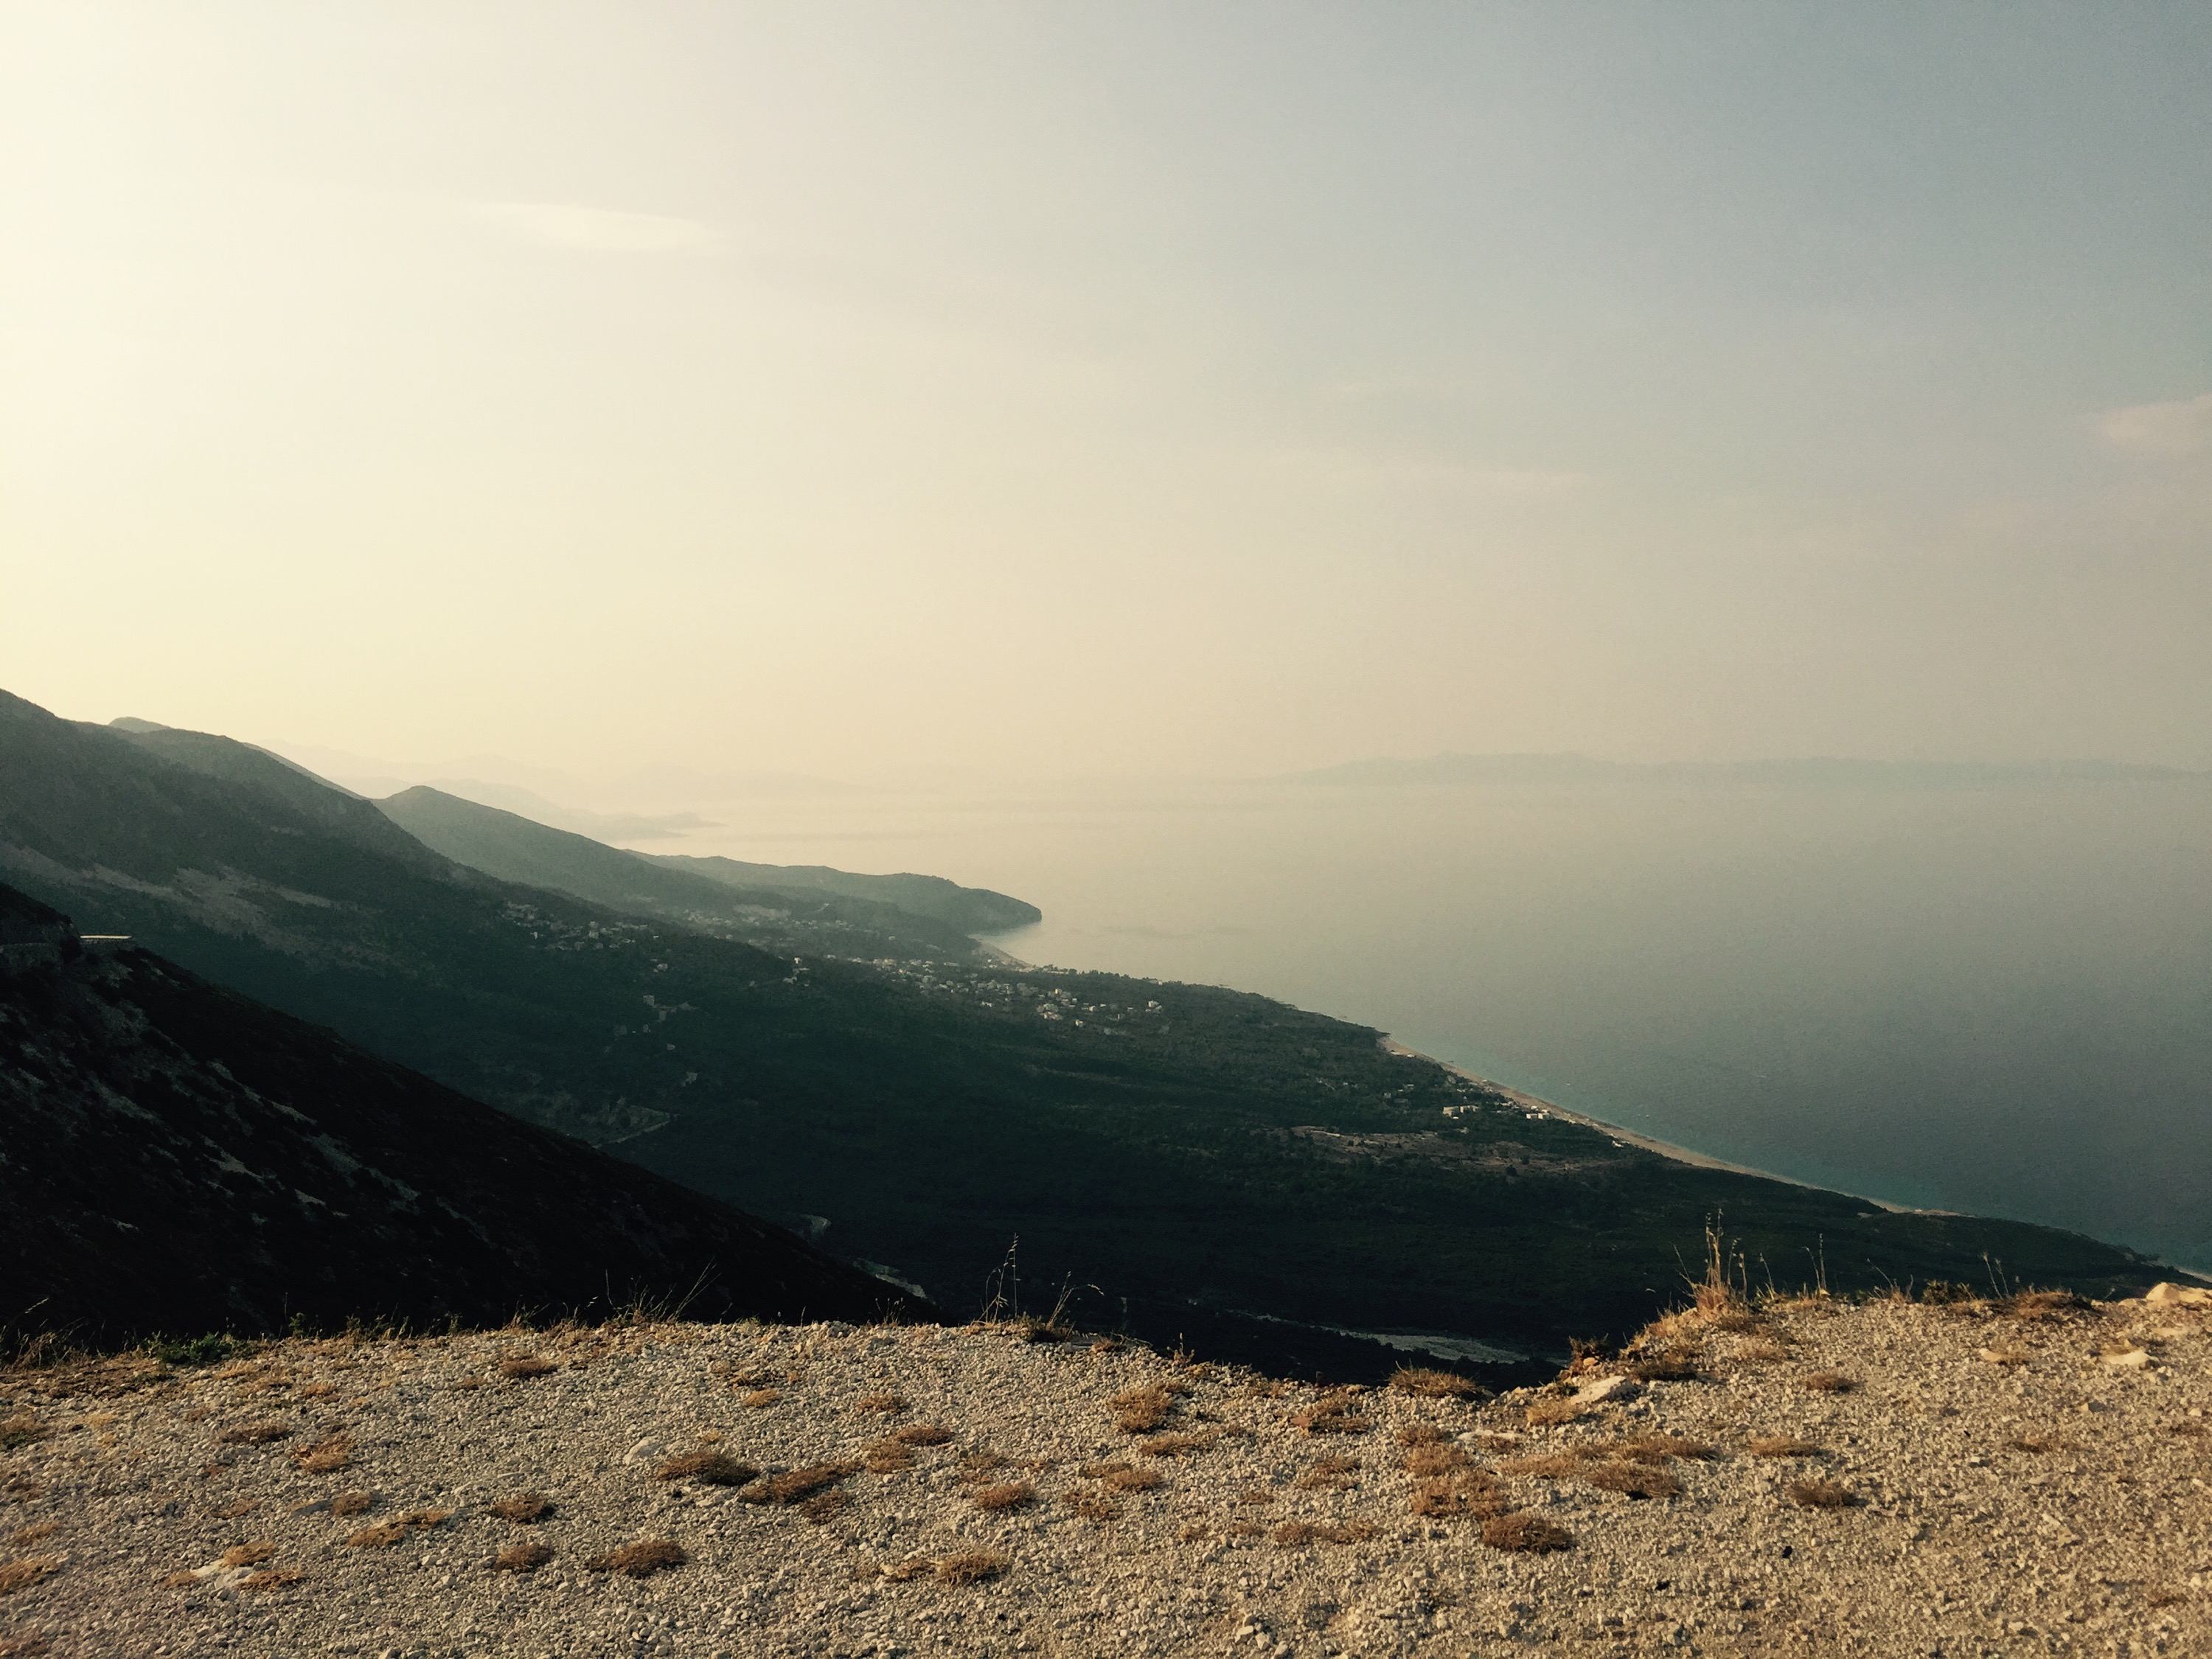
173	1158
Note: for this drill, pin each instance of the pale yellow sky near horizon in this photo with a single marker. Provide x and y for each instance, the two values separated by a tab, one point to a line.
1111	389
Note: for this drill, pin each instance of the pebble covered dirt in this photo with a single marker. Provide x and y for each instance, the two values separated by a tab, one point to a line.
1887	1479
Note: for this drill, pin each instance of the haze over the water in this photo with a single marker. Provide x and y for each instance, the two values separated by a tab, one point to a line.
1116	388
693	404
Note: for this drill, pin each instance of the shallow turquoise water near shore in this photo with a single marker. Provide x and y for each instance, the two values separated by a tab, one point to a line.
1994	999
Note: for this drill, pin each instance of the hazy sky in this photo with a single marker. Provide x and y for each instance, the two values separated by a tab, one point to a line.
1233	387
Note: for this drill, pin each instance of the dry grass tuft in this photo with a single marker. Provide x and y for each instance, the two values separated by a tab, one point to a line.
888	1456
1652	1448
883	1405
1761	1351
29	1646
1667	1365
761	1399
1421	1434
522	1558
1329	1474
1124	1477
270	1578
350	1503
383	1535
1434	1458
517	1366
708	1467
1332	1415
1093	1506
1828	1382
1257	1497
521	1507
2036	1305
20	1429
1550	1413
1191	1535
2004	1356
1821	1495
1139	1411
1174	1445
249	1555
326	1457
923	1434
1297	1535
2038	1443
1634	1479
256	1434
641	1559
824	1504
1465	1493
2160	1596
972	1568
22	1537
915	1567
1520	1533
1430	1384
1782	1445
795	1483
1008	1495
21	1575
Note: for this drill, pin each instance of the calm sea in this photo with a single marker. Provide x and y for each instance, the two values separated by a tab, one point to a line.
1995	998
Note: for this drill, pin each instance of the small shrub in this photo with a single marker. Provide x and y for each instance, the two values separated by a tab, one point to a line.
382	1535
709	1468
971	1568
1828	1382
1945	1293
20	1430
517	1366
522	1558
1010	1495
1429	1384
923	1434
2036	1305
521	1507
1518	1533
269	1578
1550	1413
1670	1365
249	1555
1821	1495
641	1559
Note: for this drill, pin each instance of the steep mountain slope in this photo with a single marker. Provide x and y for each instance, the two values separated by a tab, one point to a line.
175	1159
518	850
1258	1179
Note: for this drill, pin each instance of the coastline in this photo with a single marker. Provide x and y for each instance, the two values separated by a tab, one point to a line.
1665	1149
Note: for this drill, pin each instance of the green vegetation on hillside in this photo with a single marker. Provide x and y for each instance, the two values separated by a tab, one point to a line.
1209	1161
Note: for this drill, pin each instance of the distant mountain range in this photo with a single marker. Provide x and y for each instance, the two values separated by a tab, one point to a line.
1821	774
174	1158
1198	1163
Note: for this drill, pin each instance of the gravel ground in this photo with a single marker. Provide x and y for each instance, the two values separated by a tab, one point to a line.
2011	1482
